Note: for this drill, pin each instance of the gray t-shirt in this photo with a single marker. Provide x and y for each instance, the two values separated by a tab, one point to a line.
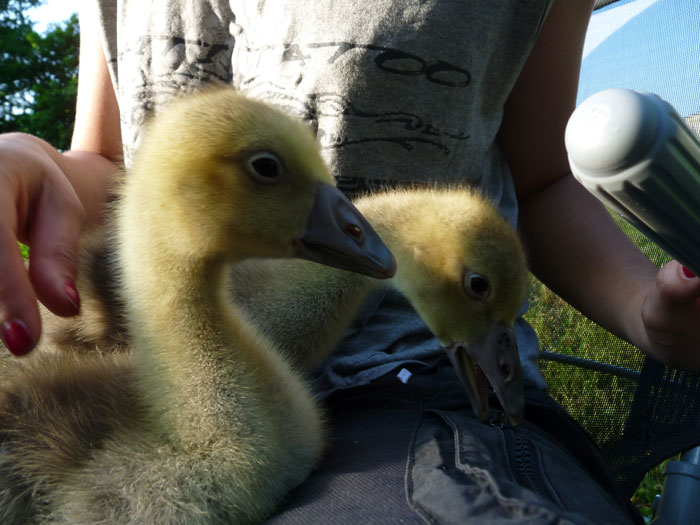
398	91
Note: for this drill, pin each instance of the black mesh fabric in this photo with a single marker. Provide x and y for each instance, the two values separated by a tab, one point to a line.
655	417
663	420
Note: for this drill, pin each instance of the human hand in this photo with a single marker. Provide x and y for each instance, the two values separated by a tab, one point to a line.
39	207
671	317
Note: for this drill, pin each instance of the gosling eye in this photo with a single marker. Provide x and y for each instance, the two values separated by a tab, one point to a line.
476	286
264	167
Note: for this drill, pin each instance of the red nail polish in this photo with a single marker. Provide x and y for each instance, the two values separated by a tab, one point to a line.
688	273
16	337
72	294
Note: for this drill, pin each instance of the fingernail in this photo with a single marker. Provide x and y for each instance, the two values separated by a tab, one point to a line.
688	273
16	337
72	294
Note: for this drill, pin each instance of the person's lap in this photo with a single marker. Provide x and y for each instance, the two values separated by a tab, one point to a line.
415	453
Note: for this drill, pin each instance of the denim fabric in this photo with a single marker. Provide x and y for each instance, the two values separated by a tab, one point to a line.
415	453
388	334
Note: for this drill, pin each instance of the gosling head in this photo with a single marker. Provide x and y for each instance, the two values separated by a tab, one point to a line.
467	277
235	178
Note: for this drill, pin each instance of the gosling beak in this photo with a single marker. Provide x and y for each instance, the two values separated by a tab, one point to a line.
471	378
495	356
336	234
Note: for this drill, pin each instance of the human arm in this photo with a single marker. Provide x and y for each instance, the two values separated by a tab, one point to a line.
48	196
573	245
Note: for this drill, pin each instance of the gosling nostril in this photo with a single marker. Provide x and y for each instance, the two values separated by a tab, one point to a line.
506	372
354	231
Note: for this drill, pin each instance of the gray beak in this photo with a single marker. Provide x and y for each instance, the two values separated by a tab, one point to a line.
336	234
495	356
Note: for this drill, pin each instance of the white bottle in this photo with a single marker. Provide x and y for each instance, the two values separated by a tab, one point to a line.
635	153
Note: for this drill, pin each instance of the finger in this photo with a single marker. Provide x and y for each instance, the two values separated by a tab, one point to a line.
54	234
20	325
676	284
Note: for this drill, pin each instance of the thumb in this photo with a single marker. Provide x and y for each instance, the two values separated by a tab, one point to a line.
671	317
676	284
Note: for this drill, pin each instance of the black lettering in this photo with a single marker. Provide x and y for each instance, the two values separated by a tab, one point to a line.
448	75
400	63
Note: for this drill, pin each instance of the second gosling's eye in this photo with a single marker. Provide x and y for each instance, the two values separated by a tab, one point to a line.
476	285
265	167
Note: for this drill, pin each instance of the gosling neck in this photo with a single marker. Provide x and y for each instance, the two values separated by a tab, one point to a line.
189	345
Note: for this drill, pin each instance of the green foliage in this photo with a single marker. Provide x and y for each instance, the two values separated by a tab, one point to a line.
651	485
38	75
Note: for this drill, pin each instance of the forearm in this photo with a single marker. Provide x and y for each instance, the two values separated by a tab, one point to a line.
579	252
95	157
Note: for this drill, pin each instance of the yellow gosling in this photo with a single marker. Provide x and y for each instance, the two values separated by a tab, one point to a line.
203	421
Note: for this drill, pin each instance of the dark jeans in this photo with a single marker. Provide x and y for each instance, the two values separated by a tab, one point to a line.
414	453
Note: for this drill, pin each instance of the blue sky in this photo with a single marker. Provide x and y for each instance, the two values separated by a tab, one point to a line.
646	45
